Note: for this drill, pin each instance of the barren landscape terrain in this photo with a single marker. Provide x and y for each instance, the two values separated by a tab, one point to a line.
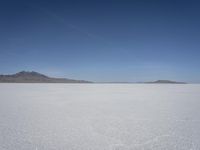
99	116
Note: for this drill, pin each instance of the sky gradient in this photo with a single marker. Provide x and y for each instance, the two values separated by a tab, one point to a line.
102	40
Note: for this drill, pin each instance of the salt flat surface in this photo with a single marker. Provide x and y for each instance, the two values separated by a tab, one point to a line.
99	117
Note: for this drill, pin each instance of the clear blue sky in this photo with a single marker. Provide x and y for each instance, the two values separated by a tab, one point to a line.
102	40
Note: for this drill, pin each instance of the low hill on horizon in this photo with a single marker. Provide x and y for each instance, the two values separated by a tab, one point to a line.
35	77
165	82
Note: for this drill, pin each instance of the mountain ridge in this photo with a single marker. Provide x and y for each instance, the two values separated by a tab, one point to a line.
35	77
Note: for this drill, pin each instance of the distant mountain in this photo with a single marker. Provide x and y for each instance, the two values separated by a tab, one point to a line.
165	82
35	77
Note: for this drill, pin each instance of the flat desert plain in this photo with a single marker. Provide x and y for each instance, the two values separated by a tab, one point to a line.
99	116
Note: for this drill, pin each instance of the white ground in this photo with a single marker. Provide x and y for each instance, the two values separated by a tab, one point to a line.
99	117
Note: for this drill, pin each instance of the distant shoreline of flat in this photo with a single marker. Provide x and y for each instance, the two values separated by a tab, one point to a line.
35	77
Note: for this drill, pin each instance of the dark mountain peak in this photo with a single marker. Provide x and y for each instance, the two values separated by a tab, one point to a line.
35	77
29	74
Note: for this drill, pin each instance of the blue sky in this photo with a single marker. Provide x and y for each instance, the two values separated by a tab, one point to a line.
102	40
